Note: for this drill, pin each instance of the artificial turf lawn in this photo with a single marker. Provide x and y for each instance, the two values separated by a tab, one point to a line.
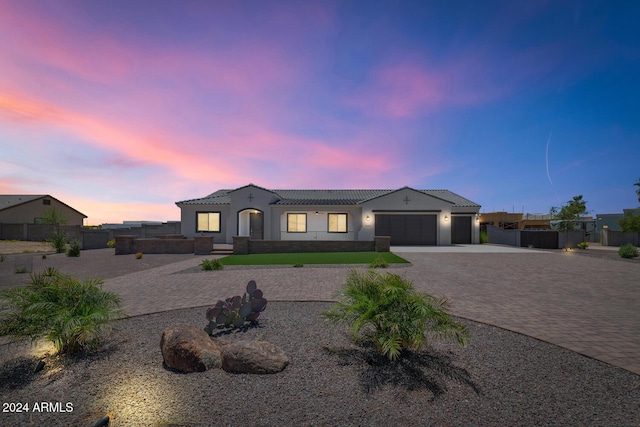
312	258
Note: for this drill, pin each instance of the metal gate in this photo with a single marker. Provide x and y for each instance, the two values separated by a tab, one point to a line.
542	239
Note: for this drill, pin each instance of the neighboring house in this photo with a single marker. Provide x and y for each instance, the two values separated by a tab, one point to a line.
29	209
612	220
408	216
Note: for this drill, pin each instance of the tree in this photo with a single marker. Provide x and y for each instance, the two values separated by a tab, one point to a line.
58	239
568	215
637	184
53	216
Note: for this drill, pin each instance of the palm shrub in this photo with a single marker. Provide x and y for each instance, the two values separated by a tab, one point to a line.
628	251
387	311
211	264
73	315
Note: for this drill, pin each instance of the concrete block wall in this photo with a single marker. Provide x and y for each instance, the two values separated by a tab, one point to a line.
175	245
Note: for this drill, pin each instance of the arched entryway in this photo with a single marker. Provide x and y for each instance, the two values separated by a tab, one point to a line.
251	223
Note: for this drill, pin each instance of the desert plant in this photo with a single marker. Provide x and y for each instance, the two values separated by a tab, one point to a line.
583	245
484	237
21	270
387	311
298	265
237	311
138	255
111	243
379	263
74	248
628	251
58	241
211	264
73	315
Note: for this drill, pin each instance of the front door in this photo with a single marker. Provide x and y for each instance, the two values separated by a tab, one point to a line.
256	225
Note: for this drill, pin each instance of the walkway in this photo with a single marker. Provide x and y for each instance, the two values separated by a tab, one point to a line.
584	304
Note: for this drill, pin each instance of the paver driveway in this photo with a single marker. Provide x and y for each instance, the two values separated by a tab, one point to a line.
585	304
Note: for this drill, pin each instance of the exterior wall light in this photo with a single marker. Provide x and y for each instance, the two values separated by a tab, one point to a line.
446	218
368	218
477	217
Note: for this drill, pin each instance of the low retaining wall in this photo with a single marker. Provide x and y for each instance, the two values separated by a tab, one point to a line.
245	245
170	244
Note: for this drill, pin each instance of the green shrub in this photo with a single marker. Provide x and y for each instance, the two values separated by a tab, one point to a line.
387	311
58	242
583	245
74	248
138	255
628	251
73	315
484	237
21	270
379	263
111	243
298	265
211	264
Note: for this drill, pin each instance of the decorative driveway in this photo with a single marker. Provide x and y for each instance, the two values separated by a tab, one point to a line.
585	304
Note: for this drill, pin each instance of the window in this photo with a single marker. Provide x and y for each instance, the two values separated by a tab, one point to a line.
297	223
208	221
337	223
46	201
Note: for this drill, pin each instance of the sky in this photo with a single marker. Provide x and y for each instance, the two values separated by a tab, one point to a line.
121	108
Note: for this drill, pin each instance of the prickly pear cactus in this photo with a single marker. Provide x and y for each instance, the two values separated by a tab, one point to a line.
237	311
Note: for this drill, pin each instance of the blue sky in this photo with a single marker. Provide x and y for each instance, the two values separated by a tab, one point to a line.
122	108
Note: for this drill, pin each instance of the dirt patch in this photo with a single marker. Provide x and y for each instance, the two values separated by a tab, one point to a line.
21	247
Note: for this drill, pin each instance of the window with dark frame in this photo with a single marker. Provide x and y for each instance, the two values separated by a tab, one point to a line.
337	223
46	201
296	223
208	221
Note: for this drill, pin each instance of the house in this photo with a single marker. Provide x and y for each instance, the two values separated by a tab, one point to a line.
29	209
407	215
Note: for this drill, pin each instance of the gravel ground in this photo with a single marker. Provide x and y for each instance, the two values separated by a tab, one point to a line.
500	379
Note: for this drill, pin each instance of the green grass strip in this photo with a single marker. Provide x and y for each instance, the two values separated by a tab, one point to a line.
312	258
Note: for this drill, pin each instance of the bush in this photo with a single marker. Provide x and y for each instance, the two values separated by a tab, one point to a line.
484	237
73	315
74	248
111	243
583	245
58	242
387	311
138	255
628	251
211	264
379	263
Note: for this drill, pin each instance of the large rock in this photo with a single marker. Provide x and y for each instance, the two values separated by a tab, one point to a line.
187	348
253	357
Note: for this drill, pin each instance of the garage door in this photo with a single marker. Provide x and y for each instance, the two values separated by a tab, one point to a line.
461	230
407	229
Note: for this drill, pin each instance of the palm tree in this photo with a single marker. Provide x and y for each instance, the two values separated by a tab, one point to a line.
637	184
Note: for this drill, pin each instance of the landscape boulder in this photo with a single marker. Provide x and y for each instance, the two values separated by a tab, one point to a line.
253	357
188	348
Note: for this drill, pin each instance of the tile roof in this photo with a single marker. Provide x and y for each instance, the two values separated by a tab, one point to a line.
327	197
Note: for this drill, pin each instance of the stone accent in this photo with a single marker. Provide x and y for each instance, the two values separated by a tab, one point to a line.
166	245
240	245
202	245
253	357
187	348
245	245
382	243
